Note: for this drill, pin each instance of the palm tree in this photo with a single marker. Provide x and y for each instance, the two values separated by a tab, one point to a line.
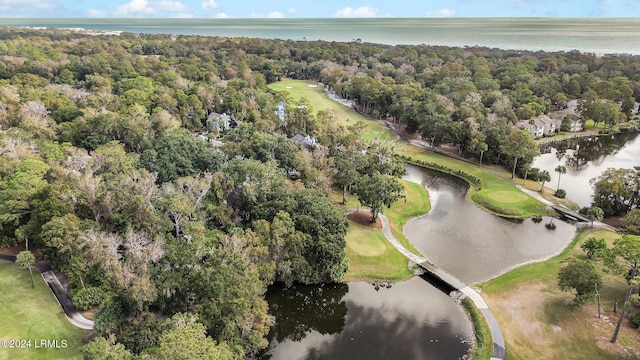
544	176
526	168
560	169
595	213
25	259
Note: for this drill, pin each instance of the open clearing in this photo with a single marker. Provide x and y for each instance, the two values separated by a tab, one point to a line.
533	313
33	314
518	205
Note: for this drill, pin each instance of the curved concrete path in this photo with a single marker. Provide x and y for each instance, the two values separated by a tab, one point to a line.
496	333
536	195
61	295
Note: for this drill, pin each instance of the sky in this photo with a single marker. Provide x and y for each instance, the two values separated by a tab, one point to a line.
316	9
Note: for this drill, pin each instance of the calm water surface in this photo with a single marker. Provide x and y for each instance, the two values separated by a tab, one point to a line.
587	158
411	319
471	243
407	320
599	36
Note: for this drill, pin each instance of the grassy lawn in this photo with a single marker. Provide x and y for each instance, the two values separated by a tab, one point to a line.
535	186
495	194
34	314
538	324
297	89
371	257
416	204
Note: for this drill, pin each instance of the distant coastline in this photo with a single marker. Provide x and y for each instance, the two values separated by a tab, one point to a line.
80	30
601	36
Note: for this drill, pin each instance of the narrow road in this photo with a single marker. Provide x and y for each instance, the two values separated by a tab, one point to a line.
59	292
496	334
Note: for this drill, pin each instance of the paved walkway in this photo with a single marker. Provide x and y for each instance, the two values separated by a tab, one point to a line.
496	333
61	295
536	195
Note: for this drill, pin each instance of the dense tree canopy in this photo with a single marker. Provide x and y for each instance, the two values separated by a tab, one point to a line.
108	168
616	191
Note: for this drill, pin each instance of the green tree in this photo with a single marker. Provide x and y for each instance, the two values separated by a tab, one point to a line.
560	169
105	349
378	191
180	154
544	176
615	191
593	247
581	276
526	168
187	340
61	237
604	112
345	170
125	262
19	189
595	213
25	259
184	201
478	144
520	145
632	221
624	257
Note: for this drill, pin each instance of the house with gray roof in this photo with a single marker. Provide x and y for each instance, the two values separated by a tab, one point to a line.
540	126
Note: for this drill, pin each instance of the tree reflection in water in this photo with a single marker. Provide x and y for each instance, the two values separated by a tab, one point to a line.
584	151
301	309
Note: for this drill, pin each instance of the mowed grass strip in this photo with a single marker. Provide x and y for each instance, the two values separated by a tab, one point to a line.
34	314
371	257
538	324
496	194
416	203
318	100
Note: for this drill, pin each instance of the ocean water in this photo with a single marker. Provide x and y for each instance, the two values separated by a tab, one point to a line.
599	36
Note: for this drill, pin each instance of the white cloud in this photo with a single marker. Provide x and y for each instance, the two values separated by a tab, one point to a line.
164	8
361	12
210	5
134	8
271	15
171	6
442	13
222	15
96	13
28	8
292	11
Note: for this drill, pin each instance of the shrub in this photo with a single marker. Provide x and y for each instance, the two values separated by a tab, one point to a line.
636	320
560	193
85	299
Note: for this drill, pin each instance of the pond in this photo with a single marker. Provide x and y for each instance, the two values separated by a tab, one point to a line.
359	320
411	319
586	158
472	244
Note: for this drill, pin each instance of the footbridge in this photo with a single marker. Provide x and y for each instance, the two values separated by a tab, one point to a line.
453	282
573	215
